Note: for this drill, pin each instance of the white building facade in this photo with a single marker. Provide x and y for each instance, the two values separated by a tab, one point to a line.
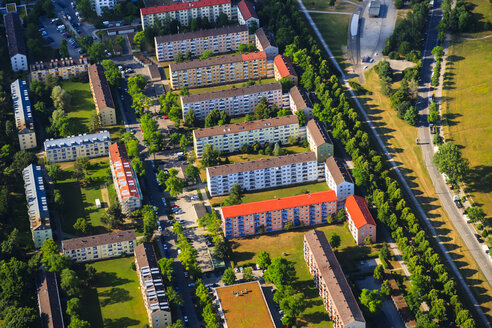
338	178
71	148
24	120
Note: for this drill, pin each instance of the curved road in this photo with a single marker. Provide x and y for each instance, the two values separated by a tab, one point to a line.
390	159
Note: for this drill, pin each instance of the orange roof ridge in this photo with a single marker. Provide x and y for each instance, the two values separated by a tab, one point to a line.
254	55
359	212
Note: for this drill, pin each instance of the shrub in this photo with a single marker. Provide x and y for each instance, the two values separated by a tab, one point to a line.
393	55
479	226
485	233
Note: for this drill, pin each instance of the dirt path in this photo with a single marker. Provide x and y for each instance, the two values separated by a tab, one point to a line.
105	194
473	39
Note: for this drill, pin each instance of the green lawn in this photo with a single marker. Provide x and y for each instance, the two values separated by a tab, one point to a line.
227	86
246	250
340	6
334	29
82	105
115	300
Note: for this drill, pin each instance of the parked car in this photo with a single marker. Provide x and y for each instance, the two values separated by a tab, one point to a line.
191	284
185	318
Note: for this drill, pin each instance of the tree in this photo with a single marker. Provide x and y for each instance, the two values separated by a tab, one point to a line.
384	252
183	142
210	156
281	272
96	51
69	282
221	249
138	166
114	215
94	122
371	301
212	118
378	272
263	260
287	84
367	240
334	240
248	274
192	172
81	225
138	39
229	277
190	119
475	214
302	117
76	322
385	288
438	52
162	177
167	269
173	296
174	185
177	324
63	49
20	317
51	258
112	73
234	195
207	54
342	215
61	98
73	307
411	116
450	162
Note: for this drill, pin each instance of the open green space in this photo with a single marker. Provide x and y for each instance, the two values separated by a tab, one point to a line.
324	5
82	105
228	86
114	300
334	29
290	245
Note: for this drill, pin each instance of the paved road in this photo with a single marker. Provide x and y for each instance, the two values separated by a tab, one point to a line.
402	180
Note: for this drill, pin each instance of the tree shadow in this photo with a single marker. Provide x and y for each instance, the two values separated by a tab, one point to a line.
109	279
113	296
450	119
480	179
120	322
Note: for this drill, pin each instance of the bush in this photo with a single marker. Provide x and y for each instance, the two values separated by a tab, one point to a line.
394	55
398	4
437	139
485	233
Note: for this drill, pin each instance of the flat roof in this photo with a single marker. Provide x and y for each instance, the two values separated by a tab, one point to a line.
247	310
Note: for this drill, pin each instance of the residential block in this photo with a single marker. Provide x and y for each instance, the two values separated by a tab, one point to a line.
15	42
50	309
24	120
219	70
101	92
265	173
219	40
99	247
338	178
63	68
84	145
333	287
319	140
283	67
99	5
246	13
274	214
299	100
360	221
235	102
265	41
231	137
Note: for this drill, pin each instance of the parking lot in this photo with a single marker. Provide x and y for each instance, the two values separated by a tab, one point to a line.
56	36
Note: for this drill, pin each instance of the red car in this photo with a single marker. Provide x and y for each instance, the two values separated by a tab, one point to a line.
174	205
431	88
166	117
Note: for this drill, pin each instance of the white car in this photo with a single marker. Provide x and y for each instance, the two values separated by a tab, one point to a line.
185	319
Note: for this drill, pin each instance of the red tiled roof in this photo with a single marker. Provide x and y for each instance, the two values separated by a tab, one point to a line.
254	56
284	66
182	6
127	181
247	9
356	206
279	203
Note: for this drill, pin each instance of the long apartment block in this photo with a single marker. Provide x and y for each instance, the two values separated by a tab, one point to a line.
229	138
83	145
339	179
152	286
219	70
50	309
99	247
333	287
125	179
37	204
237	101
63	67
262	174
220	40
101	92
15	42
273	214
185	11
24	120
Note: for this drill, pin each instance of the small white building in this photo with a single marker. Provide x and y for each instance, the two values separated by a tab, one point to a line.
338	178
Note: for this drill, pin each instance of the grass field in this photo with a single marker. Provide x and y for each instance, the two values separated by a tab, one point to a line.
399	138
82	105
249	310
246	250
323	5
334	29
115	300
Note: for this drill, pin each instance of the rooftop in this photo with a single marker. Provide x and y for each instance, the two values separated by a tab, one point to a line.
278	204
300	98
128	185
200	210
13	30
154	73
22	105
97	240
62	62
319	132
216	61
182	6
201	33
235	92
77	140
265	38
356	206
49	300
37	201
338	170
331	273
247	9
264	163
284	66
100	87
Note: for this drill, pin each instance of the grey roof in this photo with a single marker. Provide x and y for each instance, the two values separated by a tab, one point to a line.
201	33
331	272
338	171
37	201
98	240
50	308
13	29
234	92
22	105
374	8
264	163
77	140
265	38
62	62
200	210
219	60
300	98
318	131
100	87
154	72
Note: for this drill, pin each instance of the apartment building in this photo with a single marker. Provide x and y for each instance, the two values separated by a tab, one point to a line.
360	221
283	67
24	120
185	11
50	309
125	179
63	67
333	287
299	100
235	102
263	173
220	40
152	287
338	178
229	138
100	247
219	70
246	14
274	214
37	204
15	42
84	145
265	41
99	5
101	92
319	140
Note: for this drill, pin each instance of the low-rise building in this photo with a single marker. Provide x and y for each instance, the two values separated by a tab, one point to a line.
15	42
263	173
338	178
299	100
99	247
360	221
101	92
229	138
50	309
277	214
219	70
265	41
63	68
185	11
37	204
219	40
283	67
154	73
246	14
125	179
24	120
152	286
84	145
237	101
319	140
333	287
